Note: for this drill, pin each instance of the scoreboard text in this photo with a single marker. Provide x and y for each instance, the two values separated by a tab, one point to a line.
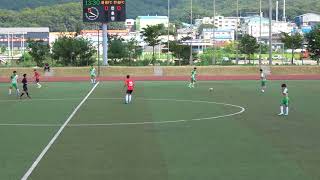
104	11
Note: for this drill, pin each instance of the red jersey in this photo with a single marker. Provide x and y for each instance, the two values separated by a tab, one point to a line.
130	84
36	75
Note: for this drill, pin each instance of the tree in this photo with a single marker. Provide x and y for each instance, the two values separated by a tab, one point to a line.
39	50
248	45
180	51
3	49
134	50
151	36
73	51
117	49
59	14
313	39
293	42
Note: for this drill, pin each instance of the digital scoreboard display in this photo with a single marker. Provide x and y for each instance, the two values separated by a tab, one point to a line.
104	11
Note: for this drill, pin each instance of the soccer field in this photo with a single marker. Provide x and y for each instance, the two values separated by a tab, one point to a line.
169	132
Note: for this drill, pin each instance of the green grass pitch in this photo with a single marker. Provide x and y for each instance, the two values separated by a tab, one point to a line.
169	132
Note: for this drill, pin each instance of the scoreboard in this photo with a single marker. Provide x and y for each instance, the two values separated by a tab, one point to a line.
104	11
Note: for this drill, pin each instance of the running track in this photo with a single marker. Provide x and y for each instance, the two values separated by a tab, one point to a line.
178	78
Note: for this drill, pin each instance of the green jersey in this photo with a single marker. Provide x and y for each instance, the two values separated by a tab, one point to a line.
14	79
93	71
263	76
193	74
285	99
285	92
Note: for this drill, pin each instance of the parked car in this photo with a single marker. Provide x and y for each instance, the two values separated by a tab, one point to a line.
3	61
225	59
277	57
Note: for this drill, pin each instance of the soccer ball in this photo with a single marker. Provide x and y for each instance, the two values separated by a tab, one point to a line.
210	89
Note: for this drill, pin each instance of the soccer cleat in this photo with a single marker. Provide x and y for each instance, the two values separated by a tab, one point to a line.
286	114
281	114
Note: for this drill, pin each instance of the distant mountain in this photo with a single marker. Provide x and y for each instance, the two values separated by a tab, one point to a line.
20	4
180	7
62	16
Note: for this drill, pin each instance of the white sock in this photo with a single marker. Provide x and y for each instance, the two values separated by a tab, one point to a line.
287	110
281	109
18	92
94	81
130	98
10	91
127	98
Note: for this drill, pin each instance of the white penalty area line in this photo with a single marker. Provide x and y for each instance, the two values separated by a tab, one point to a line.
45	150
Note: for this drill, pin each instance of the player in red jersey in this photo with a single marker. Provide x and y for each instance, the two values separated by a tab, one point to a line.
37	77
130	86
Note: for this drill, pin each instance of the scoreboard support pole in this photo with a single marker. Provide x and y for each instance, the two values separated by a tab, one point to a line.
105	43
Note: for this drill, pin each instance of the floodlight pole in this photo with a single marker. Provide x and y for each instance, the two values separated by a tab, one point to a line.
168	44
9	46
105	43
270	32
98	51
213	38
237	43
260	32
191	28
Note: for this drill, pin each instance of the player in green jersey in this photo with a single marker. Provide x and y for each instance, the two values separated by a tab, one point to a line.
193	77
14	83
93	74
263	79
284	101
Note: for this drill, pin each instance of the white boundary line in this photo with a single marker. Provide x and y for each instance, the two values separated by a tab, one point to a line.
44	151
242	109
30	100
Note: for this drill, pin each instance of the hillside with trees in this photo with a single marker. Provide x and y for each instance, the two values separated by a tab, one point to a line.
60	15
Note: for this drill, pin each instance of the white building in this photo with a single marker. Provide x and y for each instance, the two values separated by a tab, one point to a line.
17	37
186	32
220	34
130	24
308	19
144	21
222	22
251	26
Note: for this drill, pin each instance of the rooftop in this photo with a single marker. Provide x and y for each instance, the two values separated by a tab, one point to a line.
23	30
152	17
